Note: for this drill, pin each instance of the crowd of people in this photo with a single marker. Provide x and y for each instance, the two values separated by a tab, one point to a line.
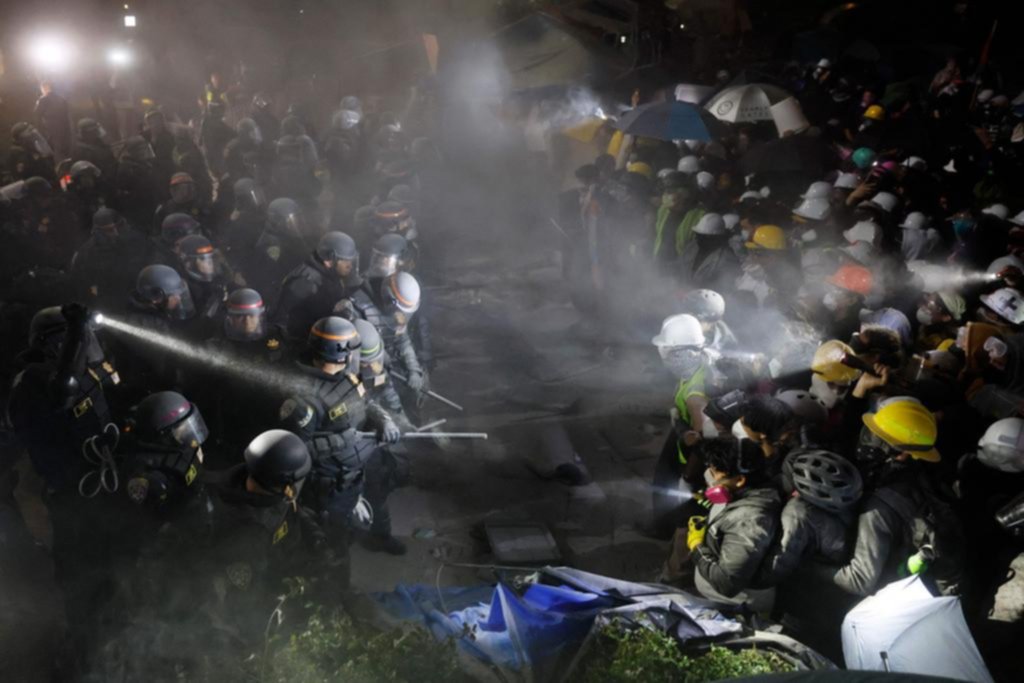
846	308
845	332
145	279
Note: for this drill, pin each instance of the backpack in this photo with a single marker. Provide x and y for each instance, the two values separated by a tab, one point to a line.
932	527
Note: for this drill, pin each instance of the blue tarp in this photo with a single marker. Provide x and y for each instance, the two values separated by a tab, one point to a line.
531	635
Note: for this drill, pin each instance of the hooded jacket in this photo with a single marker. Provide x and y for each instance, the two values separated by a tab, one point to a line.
808	532
737	541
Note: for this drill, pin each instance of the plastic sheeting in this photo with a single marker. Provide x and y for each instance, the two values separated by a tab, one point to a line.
904	628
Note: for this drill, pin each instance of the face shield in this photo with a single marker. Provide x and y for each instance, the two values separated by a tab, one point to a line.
183	193
382	265
202	267
245	324
178	304
190	432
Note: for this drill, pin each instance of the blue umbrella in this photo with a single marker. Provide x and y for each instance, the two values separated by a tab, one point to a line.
665	121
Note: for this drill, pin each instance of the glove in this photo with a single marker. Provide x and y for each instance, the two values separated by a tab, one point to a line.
389	432
362	514
418	381
695	534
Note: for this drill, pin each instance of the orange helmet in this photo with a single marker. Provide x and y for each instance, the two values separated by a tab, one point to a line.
852	278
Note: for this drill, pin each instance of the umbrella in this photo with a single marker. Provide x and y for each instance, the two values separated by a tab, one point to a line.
745	103
665	121
904	628
692	92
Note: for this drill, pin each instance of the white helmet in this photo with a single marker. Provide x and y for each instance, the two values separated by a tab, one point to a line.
731	220
705	180
805	407
1002	445
824	63
886	201
1004	262
814	209
915	220
818	190
916	163
689	165
665	172
1008	303
847	181
998	210
710	224
1018	220
757	196
864	231
680	330
704	304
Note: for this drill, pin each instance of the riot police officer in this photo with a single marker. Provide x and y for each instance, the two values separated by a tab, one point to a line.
92	147
329	412
311	290
391	253
280	245
104	267
135	186
209	278
172	230
184	199
246	336
389	304
387	468
261	532
30	154
84	187
248	215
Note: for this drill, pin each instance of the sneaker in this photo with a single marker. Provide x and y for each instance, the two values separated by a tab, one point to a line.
383	544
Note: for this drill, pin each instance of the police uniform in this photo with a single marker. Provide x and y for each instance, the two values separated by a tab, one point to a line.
308	293
399	347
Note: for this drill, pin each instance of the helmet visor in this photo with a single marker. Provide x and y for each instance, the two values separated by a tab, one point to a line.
192	431
179	304
202	267
183	193
245	325
382	265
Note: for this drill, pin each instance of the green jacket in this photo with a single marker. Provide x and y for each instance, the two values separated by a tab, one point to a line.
683	230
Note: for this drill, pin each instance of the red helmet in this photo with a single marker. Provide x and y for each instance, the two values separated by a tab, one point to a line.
853	278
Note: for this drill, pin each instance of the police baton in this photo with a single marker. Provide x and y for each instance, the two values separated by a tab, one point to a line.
431	394
430	435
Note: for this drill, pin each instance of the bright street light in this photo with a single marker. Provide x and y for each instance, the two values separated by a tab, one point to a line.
51	53
129	21
119	56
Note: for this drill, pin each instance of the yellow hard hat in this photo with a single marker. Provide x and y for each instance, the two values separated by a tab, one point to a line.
874	112
907	425
946	345
828	362
768	237
641	168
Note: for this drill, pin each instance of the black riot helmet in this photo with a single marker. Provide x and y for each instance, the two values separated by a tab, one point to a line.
169	457
138	149
84	174
246	317
386	256
198	257
176	227
291	125
335	340
160	288
37	189
276	459
336	246
391	216
284	217
108	222
90	130
183	188
47	328
249	197
249	131
262	101
167	417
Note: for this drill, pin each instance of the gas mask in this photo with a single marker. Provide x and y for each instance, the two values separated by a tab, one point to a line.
682	361
715	493
875	457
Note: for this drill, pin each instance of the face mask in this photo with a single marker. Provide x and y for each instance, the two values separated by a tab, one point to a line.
821	391
924	316
715	493
831	301
738	431
683	362
709	479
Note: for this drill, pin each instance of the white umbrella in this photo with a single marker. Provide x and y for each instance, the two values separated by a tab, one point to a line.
903	628
744	103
